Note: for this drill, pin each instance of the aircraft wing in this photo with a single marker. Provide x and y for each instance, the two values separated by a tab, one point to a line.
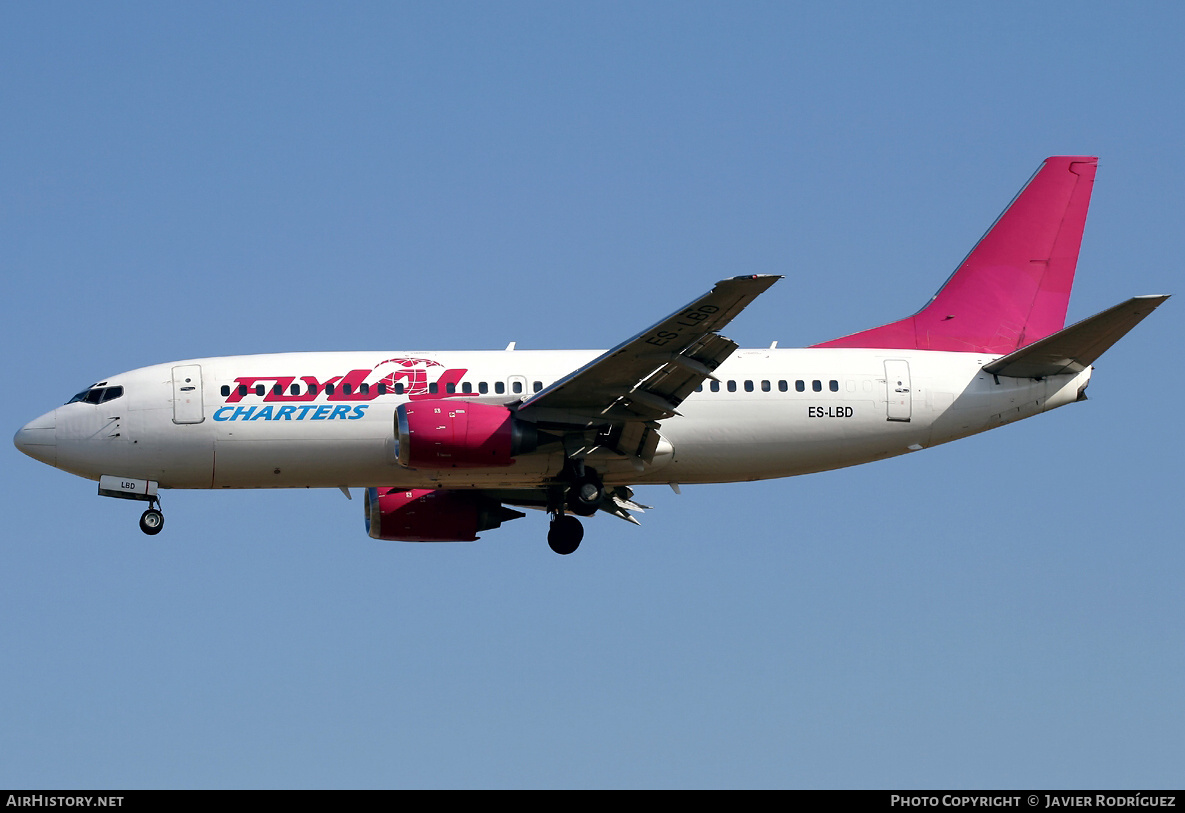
645	378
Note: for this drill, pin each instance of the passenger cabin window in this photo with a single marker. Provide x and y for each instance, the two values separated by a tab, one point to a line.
783	386
817	385
499	387
225	390
483	387
538	385
833	385
800	386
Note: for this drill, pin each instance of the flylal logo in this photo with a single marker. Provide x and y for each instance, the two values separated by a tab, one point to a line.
413	375
409	376
286	400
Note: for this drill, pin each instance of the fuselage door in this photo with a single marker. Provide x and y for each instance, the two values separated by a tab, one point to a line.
187	394
900	400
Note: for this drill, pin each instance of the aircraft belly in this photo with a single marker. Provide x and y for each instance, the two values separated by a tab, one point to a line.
779	459
527	471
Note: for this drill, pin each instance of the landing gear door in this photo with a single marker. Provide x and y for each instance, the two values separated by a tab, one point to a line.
187	394
900	398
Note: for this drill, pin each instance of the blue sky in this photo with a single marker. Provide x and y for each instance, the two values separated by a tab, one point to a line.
193	179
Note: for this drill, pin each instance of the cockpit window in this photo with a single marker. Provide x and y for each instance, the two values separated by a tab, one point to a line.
97	395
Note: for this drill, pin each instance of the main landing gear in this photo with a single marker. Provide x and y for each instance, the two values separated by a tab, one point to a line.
584	496
130	488
565	534
152	520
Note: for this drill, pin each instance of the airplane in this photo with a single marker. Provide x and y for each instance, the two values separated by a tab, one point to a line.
449	444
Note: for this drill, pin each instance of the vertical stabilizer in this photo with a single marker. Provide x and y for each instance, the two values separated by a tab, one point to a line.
1014	286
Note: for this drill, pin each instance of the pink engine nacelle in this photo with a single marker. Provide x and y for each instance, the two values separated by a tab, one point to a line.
460	434
432	515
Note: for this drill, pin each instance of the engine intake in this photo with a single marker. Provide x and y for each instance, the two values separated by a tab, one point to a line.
432	515
460	434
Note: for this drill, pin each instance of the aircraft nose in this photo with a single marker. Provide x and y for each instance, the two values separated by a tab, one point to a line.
39	438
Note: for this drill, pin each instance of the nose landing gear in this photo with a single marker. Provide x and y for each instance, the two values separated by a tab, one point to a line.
152	521
130	488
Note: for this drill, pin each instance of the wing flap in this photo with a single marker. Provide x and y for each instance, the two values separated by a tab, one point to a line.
619	501
1075	348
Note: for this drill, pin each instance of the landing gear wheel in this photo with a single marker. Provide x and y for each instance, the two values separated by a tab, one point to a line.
151	522
585	496
565	534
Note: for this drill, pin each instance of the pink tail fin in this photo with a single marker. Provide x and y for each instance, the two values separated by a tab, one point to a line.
1014	286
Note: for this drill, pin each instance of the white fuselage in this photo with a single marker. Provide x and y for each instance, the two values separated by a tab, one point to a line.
772	413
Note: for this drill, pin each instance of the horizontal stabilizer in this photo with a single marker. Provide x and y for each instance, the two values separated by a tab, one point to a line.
1077	347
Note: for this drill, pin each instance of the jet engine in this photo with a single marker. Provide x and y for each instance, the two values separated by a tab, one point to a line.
460	434
432	515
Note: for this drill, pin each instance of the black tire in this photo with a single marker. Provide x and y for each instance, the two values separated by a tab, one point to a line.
152	521
565	534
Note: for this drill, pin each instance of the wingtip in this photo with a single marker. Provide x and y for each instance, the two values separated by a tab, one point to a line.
1152	300
762	281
